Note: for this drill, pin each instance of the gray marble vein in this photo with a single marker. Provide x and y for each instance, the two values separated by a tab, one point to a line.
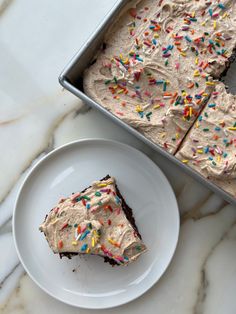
204	283
4	4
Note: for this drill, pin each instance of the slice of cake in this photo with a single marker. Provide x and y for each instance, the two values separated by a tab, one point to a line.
210	147
95	221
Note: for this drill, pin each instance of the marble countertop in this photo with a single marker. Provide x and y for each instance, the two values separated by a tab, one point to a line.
37	39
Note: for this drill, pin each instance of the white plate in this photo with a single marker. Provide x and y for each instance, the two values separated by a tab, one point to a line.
71	168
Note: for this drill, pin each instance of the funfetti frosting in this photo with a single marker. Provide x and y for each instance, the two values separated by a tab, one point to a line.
210	146
93	222
156	70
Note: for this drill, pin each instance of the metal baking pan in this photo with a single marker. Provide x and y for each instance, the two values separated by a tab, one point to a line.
71	78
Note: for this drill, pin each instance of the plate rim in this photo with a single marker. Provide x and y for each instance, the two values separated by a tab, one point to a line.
32	170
